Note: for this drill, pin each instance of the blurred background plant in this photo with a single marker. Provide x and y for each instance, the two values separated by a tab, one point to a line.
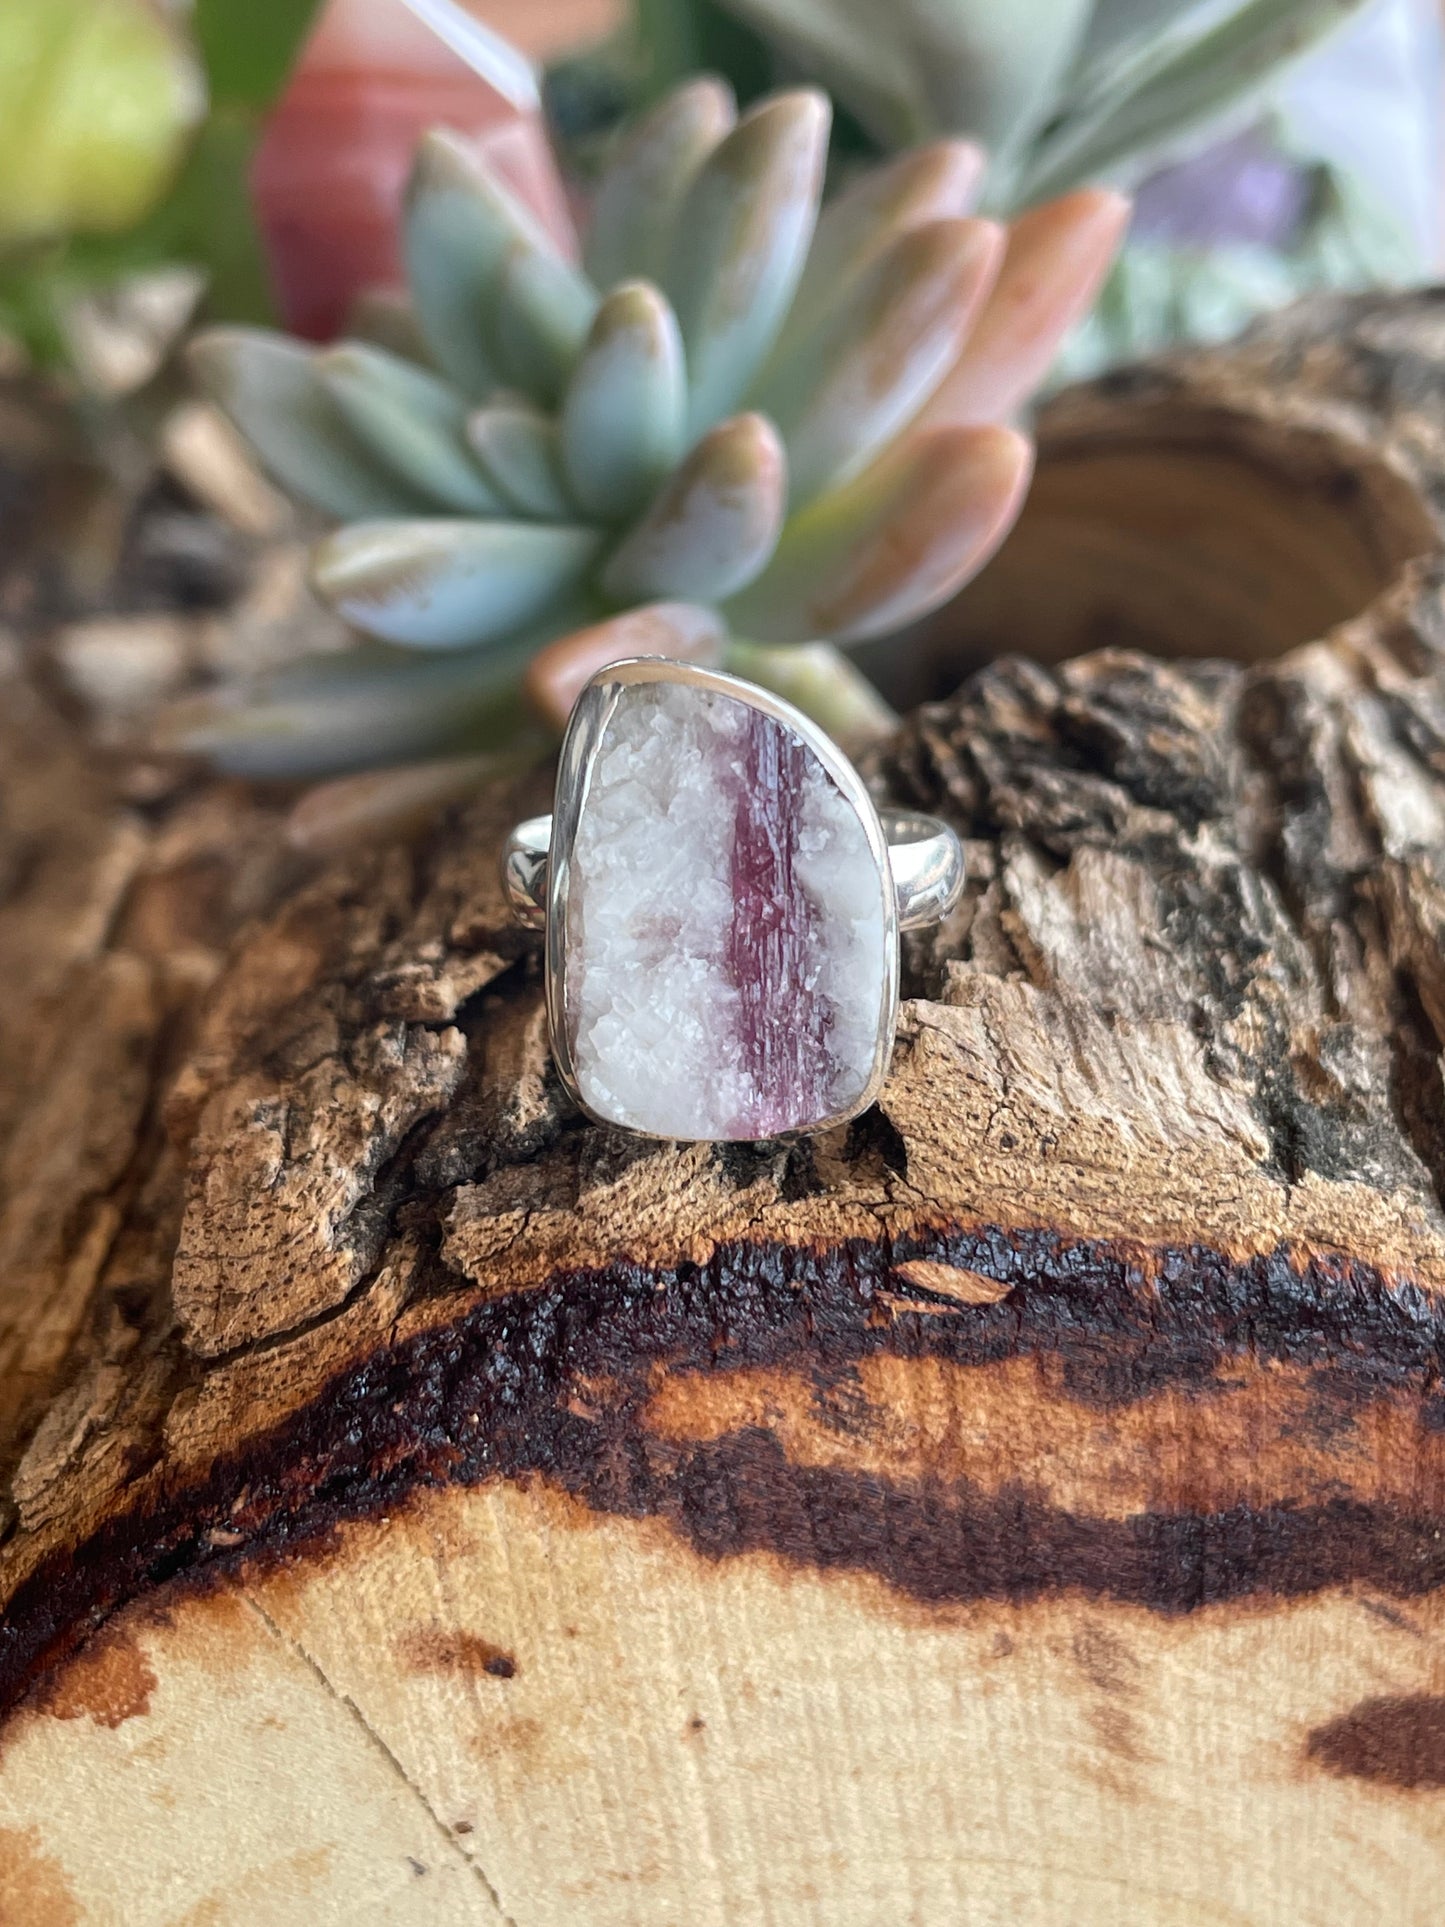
157	152
259	168
715	426
1263	163
126	132
244	154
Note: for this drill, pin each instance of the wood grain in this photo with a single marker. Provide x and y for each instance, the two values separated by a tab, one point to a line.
1027	1503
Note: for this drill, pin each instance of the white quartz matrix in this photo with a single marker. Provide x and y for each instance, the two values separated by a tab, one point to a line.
726	962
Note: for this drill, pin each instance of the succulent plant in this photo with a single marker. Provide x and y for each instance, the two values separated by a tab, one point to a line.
1059	92
1062	93
728	426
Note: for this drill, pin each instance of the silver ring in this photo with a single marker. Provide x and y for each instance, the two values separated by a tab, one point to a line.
721	903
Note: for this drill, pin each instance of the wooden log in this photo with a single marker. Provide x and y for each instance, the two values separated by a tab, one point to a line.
1027	1504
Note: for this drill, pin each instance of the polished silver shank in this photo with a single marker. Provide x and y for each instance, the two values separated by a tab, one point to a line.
924	856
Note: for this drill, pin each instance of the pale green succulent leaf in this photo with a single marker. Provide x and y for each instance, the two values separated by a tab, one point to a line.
448	584
1117	28
868	368
988	69
892	544
742	239
839	43
928	183
635	211
1167	82
410	420
517	446
455	242
624	415
387	318
1128	47
715	523
467	236
544	307
353	710
269	387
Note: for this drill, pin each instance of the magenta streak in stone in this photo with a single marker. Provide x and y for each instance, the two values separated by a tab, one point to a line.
773	944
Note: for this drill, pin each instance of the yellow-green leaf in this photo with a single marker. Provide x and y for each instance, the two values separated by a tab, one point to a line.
97	99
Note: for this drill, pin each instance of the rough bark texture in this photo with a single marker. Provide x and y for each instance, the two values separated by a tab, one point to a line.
1026	1504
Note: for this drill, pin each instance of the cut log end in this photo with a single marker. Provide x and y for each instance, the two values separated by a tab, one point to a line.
1025	1503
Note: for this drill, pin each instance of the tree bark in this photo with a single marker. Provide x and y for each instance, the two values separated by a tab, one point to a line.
1024	1504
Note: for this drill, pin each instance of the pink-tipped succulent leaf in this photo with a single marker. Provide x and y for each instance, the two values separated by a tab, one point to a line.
733	422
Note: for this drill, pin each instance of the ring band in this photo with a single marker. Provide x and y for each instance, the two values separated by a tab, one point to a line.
721	903
924	857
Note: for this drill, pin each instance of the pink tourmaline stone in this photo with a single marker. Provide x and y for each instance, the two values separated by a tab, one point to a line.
726	969
330	168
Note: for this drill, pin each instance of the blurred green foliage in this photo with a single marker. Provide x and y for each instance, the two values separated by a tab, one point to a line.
249	46
96	101
152	183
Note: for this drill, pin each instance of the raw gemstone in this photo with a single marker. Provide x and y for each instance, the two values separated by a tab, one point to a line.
726	964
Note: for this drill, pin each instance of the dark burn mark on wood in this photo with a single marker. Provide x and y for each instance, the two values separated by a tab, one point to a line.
1397	1740
956	1544
554	1382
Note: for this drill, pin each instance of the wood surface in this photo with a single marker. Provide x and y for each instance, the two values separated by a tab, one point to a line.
1025	1505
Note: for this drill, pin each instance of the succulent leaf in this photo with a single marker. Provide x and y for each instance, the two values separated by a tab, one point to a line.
557	675
591	475
989	69
838	42
742	238
409	420
454	253
635	212
516	445
269	387
544	308
623	418
365	706
1058	256
1185	72
468	237
892	544
928	183
868	368
714	525
447	584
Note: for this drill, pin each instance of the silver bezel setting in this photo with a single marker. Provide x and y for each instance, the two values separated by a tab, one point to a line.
580	745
